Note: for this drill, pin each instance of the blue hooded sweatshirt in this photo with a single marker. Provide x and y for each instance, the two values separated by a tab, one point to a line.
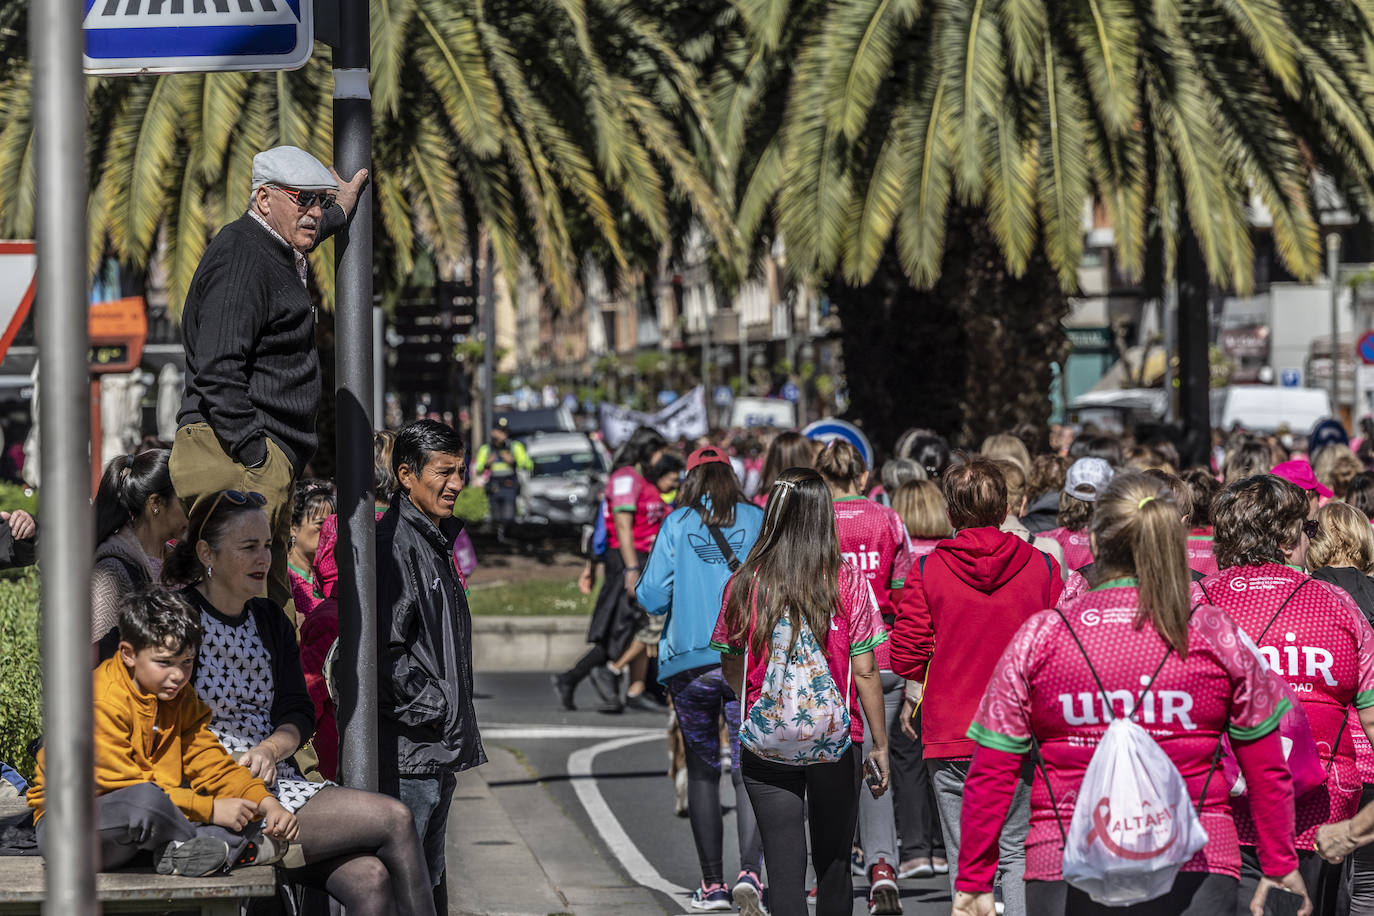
685	579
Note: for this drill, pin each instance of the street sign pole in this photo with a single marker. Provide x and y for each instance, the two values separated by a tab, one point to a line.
354	355
59	108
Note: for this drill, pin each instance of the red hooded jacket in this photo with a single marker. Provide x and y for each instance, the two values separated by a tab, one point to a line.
958	611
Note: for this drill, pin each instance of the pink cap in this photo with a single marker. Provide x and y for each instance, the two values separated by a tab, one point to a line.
1299	473
707	454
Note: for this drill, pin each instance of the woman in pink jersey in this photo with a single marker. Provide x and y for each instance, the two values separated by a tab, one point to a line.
795	571
633	510
1203	487
874	540
1310	633
1135	621
788	449
1085	479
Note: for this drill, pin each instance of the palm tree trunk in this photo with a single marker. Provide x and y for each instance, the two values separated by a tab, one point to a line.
968	358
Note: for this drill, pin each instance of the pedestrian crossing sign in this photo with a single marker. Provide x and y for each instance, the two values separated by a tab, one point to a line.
193	36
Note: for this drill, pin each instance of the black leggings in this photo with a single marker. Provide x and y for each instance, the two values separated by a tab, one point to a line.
1194	893
703	809
362	849
823	795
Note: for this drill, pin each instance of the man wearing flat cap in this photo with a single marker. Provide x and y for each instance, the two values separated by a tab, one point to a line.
247	420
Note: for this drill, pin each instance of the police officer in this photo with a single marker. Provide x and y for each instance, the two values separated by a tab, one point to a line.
501	459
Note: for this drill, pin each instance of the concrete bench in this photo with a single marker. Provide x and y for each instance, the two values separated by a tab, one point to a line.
22	887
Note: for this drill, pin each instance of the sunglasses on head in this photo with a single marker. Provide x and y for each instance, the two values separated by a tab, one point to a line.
1310	528
237	497
308	199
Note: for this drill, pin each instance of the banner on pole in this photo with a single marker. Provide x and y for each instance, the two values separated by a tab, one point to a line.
685	418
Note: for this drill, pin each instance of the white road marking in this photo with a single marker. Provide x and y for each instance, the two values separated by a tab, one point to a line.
612	834
517	732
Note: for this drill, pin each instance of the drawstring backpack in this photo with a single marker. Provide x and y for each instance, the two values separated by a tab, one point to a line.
1134	825
800	717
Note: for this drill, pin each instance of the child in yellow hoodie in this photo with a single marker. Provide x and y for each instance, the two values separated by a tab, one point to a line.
164	783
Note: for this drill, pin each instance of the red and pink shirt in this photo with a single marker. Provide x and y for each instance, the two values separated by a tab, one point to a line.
856	627
1323	647
628	491
873	539
1077	546
1044	687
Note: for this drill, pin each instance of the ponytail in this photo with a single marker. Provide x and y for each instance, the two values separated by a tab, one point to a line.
126	486
841	464
1138	529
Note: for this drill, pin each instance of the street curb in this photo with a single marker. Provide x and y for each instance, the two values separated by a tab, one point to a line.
491	869
528	643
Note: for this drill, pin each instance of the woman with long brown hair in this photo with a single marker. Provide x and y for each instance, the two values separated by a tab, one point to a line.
795	580
1130	647
787	450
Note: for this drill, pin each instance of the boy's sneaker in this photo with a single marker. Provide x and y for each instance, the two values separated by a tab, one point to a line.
748	894
714	897
264	851
883	897
194	858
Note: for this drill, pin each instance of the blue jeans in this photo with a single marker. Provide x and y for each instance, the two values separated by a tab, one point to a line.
428	799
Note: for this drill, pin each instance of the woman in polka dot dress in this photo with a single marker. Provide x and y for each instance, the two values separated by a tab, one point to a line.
359	847
1137	620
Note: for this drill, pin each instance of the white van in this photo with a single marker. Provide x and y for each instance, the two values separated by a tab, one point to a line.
1266	408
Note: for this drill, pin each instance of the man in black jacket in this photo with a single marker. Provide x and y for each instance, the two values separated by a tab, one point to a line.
247	420
427	721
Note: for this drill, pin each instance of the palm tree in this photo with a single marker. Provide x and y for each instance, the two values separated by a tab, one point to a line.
561	127
911	126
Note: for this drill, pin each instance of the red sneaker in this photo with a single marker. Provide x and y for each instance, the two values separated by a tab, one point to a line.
883	897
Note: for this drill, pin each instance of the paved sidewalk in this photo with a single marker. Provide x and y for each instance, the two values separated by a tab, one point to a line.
512	851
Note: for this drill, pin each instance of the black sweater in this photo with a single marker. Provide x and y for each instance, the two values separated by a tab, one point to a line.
249	332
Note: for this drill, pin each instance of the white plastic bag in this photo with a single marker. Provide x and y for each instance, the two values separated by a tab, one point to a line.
1133	825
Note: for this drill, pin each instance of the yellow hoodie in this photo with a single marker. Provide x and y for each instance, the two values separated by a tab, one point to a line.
140	739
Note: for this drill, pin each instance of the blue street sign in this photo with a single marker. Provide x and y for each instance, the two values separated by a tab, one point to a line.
790	392
723	396
666	397
830	428
1290	378
193	36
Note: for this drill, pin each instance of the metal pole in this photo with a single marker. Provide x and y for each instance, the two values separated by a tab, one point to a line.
1333	259
711	406
355	394
488	307
64	429
743	334
1194	338
378	367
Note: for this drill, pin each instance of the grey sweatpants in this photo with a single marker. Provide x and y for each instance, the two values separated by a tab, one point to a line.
142	818
877	816
947	777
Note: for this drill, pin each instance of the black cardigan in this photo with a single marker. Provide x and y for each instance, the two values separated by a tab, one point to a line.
291	705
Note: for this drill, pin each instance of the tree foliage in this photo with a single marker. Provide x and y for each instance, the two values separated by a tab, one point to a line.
566	128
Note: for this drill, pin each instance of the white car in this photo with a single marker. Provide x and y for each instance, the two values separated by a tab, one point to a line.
565	486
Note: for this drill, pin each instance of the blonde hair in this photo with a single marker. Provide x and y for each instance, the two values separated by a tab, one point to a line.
1006	447
1336	465
1015	477
922	508
1139	531
1344	538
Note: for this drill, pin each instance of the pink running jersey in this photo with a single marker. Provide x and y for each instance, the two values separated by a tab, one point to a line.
873	539
628	491
1323	646
1077	549
1200	554
1043	680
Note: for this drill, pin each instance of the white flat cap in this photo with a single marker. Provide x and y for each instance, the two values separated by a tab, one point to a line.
291	167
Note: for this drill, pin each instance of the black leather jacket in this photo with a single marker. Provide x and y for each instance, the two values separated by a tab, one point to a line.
427	721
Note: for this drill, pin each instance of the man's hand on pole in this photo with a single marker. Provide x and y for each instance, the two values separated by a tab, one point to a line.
349	190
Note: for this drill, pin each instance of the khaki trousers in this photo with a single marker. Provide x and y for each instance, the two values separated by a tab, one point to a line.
201	467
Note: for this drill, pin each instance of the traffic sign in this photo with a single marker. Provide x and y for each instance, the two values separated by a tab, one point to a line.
723	396
1290	378
829	428
790	392
18	279
196	36
1365	348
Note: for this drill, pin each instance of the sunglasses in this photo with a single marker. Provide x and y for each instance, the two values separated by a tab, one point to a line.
308	199
1310	528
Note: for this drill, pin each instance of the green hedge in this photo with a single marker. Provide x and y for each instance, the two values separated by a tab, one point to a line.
21	691
13	496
